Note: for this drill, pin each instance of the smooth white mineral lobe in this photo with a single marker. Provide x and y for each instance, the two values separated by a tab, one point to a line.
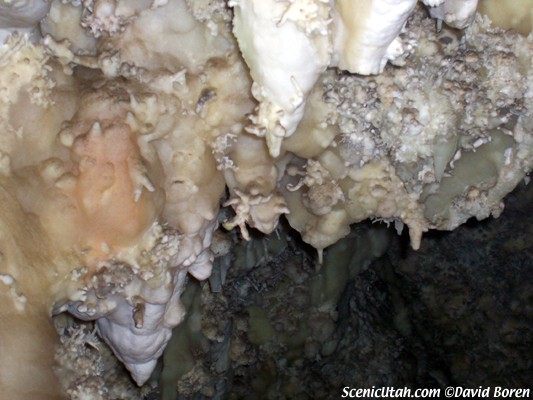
135	320
456	13
366	33
285	61
287	44
21	15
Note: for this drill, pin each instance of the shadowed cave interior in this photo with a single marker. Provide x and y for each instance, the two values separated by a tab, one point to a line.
457	312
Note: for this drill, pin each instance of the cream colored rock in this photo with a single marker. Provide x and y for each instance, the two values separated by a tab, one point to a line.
286	47
29	264
366	33
509	14
21	16
456	13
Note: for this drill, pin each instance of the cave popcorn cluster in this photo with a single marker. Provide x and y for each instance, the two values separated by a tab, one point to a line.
126	125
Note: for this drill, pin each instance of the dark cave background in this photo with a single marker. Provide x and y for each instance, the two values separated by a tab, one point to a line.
456	312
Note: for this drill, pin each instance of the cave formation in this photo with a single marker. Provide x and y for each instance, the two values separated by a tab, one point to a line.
240	197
